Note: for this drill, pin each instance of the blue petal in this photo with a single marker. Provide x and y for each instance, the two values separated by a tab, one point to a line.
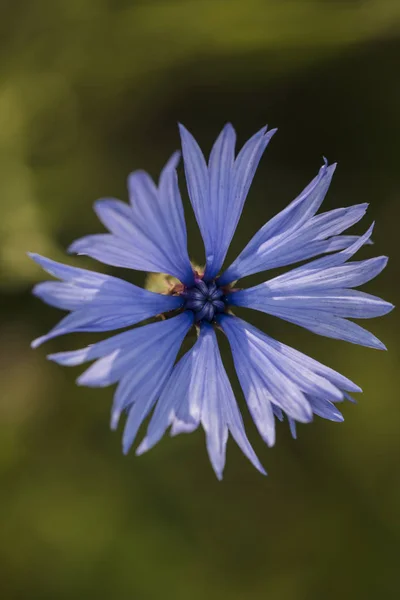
221	181
277	412
198	184
325	409
71	274
139	388
292	426
329	326
117	343
138	353
315	296
99	302
319	383
149	235
307	241
191	397
263	380
312	378
218	193
181	400
297	360
290	219
334	260
339	302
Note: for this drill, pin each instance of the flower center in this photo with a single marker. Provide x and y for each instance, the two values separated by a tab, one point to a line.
205	300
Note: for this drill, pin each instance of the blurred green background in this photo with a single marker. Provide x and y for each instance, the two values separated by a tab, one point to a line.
90	90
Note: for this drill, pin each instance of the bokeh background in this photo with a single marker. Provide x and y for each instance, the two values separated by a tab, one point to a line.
90	90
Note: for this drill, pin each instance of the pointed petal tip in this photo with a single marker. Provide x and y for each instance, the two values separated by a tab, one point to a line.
37	342
374	343
126	446
142	448
261	470
385	260
219	475
42	261
355	389
72	248
182	129
35	291
87	380
65	359
363	206
306	415
326	163
172	163
99	204
127	442
81	380
115	415
370	229
261	132
350	398
270	440
272	132
229	127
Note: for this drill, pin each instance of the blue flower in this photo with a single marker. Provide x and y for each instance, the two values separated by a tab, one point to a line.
150	235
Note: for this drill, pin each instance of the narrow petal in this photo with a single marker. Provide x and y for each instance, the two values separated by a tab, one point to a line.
198	184
258	397
315	296
139	352
327	262
277	412
190	397
339	302
67	273
230	200
245	167
117	217
309	240
219	410
325	409
122	342
143	385
95	320
293	429
311	377
218	193
220	177
182	395
351	274
263	381
298	360
99	302
329	326
65	296
252	259
117	252
149	235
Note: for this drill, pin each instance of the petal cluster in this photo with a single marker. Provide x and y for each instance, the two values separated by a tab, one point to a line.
149	234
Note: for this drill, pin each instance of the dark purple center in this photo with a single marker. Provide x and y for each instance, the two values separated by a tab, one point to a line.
205	300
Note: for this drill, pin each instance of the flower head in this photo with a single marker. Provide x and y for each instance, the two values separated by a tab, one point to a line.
149	234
